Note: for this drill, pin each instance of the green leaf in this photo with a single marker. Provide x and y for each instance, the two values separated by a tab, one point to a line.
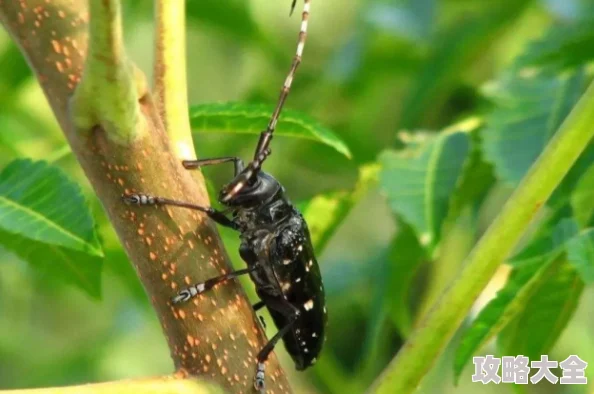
533	267
455	47
325	213
475	181
528	109
582	198
509	302
580	253
405	257
57	263
231	17
253	118
38	202
551	238
535	331
420	180
563	46
15	72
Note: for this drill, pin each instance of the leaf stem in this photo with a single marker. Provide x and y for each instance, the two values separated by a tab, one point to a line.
170	78
404	374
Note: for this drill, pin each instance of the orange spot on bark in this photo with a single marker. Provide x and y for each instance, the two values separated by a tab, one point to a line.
152	256
182	314
56	46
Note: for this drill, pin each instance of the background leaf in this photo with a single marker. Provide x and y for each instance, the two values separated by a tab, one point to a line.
38	201
582	197
580	253
57	264
509	302
535	331
420	179
527	111
563	46
253	119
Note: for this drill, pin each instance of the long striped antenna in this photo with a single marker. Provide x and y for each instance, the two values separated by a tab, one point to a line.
266	136
263	147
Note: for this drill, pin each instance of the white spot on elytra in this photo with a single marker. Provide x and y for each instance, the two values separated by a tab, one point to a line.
297	280
309	305
300	248
286	286
324	309
287	261
305	350
313	361
314	335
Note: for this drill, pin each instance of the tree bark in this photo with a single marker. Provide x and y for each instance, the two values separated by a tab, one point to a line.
217	335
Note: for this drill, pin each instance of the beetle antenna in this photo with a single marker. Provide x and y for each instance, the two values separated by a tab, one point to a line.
262	149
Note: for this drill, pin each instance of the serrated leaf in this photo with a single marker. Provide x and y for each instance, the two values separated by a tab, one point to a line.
419	181
582	198
240	118
535	331
509	302
58	263
563	46
38	202
475	180
551	239
580	253
527	112
324	213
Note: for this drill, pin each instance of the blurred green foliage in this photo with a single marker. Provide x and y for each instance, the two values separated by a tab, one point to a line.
428	112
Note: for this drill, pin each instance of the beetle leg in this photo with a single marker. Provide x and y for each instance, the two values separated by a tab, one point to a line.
258	305
292	314
193	164
199	288
145	199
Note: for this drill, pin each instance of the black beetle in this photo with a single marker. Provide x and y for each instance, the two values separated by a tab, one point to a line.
276	244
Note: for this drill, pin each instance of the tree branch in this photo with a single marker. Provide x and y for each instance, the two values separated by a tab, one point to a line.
404	374
161	385
217	335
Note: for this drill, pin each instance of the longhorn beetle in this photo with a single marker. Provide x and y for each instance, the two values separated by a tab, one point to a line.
275	243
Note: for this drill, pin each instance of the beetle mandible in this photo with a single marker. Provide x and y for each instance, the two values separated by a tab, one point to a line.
275	243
